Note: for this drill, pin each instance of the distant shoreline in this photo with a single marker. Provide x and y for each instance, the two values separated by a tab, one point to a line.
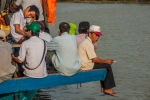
106	2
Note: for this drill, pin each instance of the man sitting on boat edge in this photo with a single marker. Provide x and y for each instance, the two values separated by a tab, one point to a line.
32	53
62	51
89	60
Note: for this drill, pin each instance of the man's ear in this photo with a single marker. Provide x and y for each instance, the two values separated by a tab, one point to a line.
87	31
59	33
89	34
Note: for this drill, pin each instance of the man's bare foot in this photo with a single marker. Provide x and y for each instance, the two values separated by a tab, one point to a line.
102	90
110	92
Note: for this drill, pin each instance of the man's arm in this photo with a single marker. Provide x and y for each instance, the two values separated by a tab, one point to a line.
44	6
52	45
101	61
16	59
18	30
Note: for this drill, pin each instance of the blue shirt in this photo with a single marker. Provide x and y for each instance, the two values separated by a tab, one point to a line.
67	61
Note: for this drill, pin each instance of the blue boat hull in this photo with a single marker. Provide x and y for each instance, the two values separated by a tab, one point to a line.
20	85
26	95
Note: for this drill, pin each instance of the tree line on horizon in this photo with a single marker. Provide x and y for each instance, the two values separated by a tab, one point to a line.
107	0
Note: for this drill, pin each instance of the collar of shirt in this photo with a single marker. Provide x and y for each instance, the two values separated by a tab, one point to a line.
89	39
33	37
65	33
21	13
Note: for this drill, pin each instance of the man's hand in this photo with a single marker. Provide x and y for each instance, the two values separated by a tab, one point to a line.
18	30
16	59
109	61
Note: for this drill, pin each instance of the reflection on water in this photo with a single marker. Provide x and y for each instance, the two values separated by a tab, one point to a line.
126	34
42	95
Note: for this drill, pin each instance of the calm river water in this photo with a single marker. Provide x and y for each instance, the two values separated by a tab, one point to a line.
126	39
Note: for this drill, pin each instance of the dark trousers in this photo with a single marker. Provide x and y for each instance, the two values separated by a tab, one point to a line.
109	82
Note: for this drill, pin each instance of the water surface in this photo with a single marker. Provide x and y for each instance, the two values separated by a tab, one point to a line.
126	39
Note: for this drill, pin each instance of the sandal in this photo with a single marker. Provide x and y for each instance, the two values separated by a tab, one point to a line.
111	94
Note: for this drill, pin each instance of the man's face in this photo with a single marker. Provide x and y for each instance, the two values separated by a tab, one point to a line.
93	37
29	14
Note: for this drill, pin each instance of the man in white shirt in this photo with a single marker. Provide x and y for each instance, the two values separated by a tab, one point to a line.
18	21
32	53
26	3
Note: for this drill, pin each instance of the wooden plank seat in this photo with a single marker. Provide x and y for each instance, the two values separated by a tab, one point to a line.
52	80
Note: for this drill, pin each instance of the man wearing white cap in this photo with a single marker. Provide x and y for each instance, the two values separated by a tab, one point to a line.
6	68
89	60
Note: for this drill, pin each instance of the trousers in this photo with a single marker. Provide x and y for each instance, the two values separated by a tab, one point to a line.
109	82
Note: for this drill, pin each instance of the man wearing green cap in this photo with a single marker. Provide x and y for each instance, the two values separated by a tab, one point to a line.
32	53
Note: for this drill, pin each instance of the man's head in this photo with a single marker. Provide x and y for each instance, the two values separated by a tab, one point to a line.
4	34
32	12
94	33
83	27
33	29
63	27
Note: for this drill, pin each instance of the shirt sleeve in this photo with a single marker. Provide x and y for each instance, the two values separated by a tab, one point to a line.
90	51
18	2
22	52
52	45
16	18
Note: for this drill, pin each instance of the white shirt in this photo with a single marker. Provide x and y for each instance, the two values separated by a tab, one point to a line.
26	3
32	50
45	36
17	18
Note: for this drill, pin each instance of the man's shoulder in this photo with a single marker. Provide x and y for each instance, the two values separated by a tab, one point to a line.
17	13
26	42
6	44
64	38
16	16
86	41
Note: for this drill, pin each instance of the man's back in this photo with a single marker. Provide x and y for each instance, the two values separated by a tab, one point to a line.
66	59
6	68
32	51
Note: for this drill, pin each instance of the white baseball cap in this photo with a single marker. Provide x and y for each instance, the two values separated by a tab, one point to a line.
4	33
95	29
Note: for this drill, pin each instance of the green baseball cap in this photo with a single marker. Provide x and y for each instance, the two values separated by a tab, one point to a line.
34	27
